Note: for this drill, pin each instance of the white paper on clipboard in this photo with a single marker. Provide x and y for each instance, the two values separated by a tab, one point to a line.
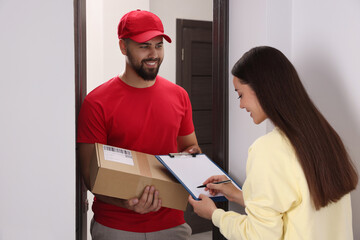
192	171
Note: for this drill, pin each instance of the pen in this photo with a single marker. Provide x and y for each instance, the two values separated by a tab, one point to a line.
226	181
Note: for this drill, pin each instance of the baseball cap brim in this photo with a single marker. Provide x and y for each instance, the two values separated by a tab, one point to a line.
146	36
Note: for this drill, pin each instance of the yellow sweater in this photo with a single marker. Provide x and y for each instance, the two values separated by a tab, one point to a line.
277	200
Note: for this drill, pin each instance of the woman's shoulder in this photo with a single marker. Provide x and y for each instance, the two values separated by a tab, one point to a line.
274	142
273	138
273	153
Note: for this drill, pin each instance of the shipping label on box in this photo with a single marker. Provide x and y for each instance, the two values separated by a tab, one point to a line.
124	174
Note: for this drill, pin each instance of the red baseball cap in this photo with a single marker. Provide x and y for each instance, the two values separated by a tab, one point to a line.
141	26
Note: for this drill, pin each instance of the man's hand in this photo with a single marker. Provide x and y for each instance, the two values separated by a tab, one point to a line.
193	149
188	143
148	202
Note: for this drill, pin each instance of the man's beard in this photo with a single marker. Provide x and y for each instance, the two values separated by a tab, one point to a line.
147	75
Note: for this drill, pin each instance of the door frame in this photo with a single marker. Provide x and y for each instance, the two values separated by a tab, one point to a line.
220	97
220	67
80	93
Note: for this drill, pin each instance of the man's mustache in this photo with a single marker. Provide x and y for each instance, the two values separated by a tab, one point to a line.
151	59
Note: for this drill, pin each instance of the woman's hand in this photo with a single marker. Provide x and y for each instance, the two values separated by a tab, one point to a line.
204	208
231	192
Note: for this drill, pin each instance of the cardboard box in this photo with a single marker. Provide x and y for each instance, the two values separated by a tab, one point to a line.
122	173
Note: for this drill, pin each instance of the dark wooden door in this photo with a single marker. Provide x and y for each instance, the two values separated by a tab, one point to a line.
194	73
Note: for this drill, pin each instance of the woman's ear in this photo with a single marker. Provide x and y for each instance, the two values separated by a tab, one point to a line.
122	45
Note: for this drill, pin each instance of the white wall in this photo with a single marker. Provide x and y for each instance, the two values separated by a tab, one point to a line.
104	59
37	102
169	11
322	40
326	53
251	23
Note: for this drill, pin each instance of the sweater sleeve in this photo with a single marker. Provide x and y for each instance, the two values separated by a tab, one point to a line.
270	190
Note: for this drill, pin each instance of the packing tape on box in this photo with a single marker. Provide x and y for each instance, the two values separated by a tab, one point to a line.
144	167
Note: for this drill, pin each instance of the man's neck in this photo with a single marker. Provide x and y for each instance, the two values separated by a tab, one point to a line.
131	78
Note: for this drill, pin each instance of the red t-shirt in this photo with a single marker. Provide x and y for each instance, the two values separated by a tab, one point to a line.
147	120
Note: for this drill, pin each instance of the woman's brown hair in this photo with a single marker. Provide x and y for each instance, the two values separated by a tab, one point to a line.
328	169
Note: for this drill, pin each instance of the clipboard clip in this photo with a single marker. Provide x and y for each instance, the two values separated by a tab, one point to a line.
172	155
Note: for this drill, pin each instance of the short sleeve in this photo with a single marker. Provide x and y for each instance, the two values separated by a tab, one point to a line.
91	126
187	125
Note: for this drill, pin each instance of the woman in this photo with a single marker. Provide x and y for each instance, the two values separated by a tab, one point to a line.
299	176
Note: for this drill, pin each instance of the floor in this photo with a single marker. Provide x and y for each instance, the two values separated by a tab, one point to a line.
202	236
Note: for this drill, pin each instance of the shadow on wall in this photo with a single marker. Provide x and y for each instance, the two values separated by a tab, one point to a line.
328	90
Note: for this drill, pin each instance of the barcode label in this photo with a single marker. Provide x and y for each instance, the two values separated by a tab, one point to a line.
118	155
127	153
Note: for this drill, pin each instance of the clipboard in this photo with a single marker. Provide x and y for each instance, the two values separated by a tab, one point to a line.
192	170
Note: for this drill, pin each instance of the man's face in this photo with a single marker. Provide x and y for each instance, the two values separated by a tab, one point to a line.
146	58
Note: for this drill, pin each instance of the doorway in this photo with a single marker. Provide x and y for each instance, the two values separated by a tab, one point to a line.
194	74
219	96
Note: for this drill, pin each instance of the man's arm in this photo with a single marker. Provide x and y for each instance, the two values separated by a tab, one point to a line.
148	202
188	143
85	151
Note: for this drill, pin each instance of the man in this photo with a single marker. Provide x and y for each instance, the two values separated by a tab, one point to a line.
140	111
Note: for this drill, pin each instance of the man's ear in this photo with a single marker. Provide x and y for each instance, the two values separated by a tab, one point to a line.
122	45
